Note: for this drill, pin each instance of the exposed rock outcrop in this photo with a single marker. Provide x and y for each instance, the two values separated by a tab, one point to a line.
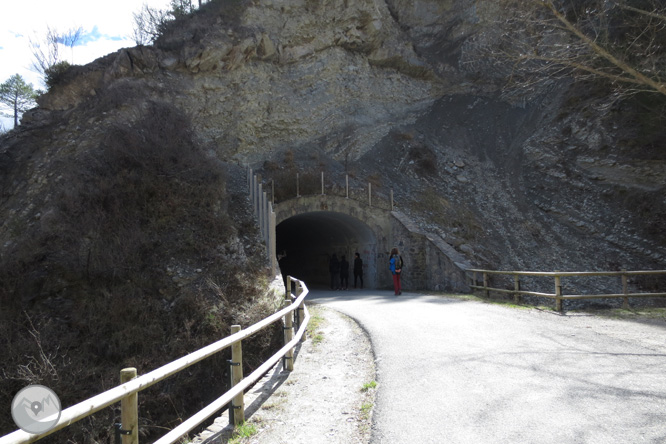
551	177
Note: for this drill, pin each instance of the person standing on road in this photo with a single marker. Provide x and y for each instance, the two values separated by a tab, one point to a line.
358	269
344	273
395	265
334	269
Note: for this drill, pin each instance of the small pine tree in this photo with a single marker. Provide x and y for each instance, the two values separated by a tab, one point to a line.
17	95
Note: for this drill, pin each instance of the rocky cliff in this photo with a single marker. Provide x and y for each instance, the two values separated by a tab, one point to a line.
554	177
558	176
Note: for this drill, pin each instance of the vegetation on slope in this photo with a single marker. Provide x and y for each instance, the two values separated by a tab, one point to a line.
135	261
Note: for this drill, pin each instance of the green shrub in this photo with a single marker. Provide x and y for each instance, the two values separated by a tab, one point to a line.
55	74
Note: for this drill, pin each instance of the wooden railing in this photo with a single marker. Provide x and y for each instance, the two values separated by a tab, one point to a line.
327	185
557	276
126	393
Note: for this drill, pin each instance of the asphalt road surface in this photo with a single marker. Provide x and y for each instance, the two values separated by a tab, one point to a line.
456	371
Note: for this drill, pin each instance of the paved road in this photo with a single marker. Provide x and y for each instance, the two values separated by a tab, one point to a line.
453	371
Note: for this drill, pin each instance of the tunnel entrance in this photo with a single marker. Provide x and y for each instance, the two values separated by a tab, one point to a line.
308	240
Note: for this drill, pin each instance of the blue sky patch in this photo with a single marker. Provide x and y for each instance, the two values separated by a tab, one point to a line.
93	36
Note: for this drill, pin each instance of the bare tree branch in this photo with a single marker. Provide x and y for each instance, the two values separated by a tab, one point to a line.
545	40
654	14
638	77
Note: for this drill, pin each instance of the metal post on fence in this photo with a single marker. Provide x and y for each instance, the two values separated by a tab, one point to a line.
322	183
369	194
558	293
287	288
391	199
259	208
347	184
625	288
129	410
265	219
249	179
253	191
260	190
237	407
516	286
272	242
288	360
298	189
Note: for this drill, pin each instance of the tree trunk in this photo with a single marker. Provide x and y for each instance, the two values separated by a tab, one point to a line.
16	100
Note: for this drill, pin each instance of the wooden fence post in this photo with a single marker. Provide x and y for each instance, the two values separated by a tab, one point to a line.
369	194
391	199
298	189
287	288
485	284
558	293
516	286
129	409
625	288
238	403
301	308
288	336
347	184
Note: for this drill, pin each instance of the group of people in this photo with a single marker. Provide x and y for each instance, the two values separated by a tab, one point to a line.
339	270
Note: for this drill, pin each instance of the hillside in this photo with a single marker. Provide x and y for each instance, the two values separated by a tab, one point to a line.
127	236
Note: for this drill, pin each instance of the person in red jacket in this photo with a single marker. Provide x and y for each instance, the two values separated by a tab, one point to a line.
396	264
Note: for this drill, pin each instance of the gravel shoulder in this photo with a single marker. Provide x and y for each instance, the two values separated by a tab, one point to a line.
321	401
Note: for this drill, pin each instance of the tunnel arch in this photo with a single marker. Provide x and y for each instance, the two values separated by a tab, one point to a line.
311	228
309	240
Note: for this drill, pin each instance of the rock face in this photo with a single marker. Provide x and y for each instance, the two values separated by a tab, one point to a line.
398	90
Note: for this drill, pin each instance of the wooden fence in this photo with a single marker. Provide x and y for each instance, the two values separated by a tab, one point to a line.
127	392
557	276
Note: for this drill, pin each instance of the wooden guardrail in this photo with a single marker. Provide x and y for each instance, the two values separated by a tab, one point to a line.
366	194
557	281
127	392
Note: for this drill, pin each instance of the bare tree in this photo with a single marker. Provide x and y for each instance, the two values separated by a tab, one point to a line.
46	52
149	24
70	38
47	58
603	39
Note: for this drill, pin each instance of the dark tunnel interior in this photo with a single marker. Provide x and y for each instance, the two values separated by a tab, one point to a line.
305	243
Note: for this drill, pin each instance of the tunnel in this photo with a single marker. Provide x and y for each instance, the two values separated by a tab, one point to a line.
305	243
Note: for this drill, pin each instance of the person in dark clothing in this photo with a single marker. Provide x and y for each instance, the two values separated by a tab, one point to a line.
334	269
358	269
344	273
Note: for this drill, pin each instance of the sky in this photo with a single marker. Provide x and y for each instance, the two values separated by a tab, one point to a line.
107	26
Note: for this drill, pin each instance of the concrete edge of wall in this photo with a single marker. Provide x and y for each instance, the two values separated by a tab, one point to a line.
456	276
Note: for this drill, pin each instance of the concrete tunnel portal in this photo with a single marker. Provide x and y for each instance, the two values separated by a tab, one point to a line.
308	240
